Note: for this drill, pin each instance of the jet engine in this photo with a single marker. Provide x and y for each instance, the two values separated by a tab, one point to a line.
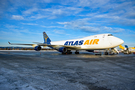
62	49
37	48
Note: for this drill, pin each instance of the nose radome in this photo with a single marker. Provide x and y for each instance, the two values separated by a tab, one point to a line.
116	41
121	41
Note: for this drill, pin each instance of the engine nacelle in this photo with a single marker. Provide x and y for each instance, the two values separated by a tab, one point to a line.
37	48
62	49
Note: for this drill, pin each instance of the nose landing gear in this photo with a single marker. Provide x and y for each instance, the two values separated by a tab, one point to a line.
111	51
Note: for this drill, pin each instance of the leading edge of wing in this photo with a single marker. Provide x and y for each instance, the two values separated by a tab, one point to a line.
60	46
22	44
19	44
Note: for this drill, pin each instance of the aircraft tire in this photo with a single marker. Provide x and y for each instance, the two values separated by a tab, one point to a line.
76	52
69	52
106	53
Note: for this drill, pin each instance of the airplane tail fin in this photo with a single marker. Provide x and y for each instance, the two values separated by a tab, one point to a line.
126	46
121	47
46	39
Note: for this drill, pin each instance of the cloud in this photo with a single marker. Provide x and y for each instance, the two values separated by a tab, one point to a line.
92	3
17	17
112	30
125	19
51	26
29	24
90	27
47	1
3	7
38	16
10	26
50	13
59	31
80	25
61	11
110	12
30	11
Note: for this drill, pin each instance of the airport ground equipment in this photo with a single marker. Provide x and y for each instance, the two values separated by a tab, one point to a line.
126	49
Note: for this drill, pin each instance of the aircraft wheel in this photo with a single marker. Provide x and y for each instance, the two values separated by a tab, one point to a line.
106	53
63	53
76	52
69	52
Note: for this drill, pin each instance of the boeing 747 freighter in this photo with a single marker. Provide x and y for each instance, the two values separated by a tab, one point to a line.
90	43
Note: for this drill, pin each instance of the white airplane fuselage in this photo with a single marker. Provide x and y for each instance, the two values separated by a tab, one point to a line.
95	42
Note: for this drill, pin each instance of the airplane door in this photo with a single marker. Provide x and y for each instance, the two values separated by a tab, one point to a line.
106	41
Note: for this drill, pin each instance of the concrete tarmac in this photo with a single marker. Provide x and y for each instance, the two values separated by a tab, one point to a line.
50	70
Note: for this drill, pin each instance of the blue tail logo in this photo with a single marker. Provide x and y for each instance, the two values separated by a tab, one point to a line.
126	46
46	39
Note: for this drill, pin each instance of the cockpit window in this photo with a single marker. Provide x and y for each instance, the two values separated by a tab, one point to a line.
110	35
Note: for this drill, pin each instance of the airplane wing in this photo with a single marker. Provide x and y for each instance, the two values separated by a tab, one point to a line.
42	44
19	44
22	44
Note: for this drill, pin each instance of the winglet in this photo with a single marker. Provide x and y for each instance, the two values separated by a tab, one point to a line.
46	39
9	42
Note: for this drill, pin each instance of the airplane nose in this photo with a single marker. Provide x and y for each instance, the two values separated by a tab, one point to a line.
114	41
121	41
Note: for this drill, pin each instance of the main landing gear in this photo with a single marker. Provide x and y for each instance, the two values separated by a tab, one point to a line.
111	51
77	52
69	52
106	53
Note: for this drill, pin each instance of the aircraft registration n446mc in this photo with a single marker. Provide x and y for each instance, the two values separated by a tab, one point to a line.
90	43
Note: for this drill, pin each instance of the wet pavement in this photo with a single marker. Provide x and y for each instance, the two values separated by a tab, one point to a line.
50	70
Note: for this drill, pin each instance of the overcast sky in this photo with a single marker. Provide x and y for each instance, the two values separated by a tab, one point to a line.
23	21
